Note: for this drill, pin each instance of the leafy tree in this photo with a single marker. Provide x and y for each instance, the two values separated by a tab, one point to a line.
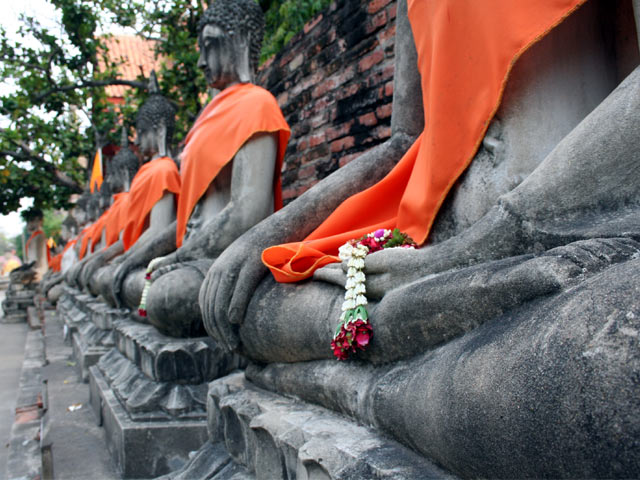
58	111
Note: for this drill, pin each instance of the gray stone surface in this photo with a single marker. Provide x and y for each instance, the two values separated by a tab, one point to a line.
507	347
277	437
142	449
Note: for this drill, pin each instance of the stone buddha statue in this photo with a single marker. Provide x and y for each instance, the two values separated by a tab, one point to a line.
124	166
36	245
229	171
501	346
152	189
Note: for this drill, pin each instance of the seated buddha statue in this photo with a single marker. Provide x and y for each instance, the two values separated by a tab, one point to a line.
123	168
499	344
230	173
149	207
36	249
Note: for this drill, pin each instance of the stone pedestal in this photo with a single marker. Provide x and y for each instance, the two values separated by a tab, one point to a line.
149	393
74	309
95	337
269	436
17	299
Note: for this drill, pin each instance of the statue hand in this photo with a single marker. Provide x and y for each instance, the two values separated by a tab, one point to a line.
121	272
388	269
227	290
163	266
384	271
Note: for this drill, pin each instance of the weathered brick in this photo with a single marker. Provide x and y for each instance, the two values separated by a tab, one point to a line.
306	172
368	119
342	144
339	131
326	86
312	23
377	22
348	158
392	11
383	111
316	139
370	60
376	5
387	33
388	89
296	62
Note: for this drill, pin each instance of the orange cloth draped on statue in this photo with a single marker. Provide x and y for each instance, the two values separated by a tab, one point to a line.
34	235
227	122
92	236
117	217
148	186
466	50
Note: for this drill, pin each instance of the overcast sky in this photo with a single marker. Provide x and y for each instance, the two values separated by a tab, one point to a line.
11	225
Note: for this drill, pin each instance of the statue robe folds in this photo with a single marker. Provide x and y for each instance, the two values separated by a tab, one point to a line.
93	235
147	188
231	118
465	55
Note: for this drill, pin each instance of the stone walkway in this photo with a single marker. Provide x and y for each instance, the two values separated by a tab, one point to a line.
12	340
78	448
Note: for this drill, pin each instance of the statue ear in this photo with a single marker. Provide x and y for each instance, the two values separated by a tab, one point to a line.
162	140
245	73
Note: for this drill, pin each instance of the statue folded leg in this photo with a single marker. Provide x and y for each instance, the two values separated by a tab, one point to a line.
173	299
564	200
547	391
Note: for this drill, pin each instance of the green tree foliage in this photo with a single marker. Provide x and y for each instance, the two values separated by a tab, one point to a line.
57	110
285	18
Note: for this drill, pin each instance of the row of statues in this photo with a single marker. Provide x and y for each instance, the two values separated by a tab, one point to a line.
518	318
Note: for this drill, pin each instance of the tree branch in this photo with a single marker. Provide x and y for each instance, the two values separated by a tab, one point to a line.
88	84
61	178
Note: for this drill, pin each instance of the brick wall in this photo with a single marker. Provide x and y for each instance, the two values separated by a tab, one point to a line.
334	83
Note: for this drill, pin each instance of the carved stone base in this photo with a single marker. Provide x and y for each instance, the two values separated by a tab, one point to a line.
153	388
142	449
275	437
18	299
95	337
74	309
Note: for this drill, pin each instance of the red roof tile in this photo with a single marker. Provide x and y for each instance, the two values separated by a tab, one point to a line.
134	54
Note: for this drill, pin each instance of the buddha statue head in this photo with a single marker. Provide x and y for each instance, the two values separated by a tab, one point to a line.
106	194
33	217
69	228
230	38
80	210
93	207
124	165
155	122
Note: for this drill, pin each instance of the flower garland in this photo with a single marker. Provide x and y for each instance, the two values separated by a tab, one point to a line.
354	331
142	308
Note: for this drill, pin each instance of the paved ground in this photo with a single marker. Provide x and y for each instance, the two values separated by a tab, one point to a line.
79	448
12	340
78	444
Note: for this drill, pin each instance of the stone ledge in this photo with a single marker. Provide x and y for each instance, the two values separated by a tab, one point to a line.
167	359
142	449
278	437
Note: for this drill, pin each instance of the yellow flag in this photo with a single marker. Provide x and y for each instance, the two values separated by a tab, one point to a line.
96	172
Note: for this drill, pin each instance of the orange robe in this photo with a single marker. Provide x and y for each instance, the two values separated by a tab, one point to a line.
34	235
466	50
148	186
117	218
231	118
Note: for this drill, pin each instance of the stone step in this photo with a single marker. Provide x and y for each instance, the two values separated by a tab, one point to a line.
276	437
168	359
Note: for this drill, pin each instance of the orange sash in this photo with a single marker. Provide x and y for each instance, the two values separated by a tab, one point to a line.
92	235
55	263
34	235
230	119
117	218
147	188
466	50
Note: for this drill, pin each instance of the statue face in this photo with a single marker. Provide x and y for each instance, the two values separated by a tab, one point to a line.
220	57
34	224
147	143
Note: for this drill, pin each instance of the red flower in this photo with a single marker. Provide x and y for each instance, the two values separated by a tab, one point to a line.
352	335
371	243
142	312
